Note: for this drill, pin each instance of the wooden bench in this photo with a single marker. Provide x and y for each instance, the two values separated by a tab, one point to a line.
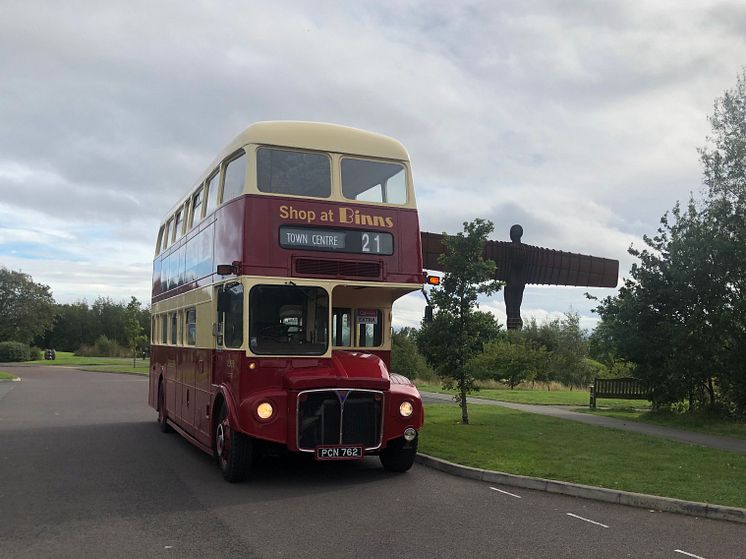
627	388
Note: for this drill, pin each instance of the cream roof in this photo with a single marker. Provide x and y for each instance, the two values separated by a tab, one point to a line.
320	136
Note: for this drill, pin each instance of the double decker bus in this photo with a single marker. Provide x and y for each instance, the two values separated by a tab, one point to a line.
273	284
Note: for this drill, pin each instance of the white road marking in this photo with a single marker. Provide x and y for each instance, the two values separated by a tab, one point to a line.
586	520
501	491
688	554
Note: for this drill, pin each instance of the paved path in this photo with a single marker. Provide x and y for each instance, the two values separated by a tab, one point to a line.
85	472
562	412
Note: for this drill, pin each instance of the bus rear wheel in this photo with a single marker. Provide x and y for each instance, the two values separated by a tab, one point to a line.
233	450
398	456
162	418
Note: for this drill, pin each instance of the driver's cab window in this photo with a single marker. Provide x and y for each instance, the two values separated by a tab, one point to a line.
230	315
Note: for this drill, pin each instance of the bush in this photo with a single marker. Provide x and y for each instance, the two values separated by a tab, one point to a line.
103	347
34	353
14	351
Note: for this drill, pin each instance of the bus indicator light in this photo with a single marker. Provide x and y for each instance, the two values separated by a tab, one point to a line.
432	280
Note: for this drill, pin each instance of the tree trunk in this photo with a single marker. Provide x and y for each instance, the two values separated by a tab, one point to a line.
711	392
464	410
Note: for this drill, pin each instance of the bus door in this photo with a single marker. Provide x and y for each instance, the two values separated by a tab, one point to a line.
229	334
185	374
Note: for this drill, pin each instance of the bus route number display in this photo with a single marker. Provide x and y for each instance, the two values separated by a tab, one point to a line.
337	240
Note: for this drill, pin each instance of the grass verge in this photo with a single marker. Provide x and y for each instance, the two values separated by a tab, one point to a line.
6	376
541	397
529	444
702	423
98	364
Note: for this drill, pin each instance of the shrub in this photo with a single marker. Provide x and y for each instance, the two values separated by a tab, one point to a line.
103	347
34	353
14	351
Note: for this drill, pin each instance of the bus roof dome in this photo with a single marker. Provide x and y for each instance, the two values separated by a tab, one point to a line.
323	137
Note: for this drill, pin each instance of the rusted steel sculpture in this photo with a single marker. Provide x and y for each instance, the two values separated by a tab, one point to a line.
517	264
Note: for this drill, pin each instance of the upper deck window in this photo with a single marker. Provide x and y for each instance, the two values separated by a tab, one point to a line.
178	223
235	177
167	234
293	172
213	185
160	240
374	181
197	207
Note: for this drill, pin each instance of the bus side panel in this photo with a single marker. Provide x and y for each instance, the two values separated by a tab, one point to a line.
185	368
203	396
170	385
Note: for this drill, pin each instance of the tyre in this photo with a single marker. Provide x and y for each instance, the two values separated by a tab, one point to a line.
233	450
162	423
398	456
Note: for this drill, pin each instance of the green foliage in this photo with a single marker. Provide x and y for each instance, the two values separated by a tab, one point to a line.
103	347
510	360
12	352
458	330
133	328
681	316
566	345
80	324
406	358
27	308
34	353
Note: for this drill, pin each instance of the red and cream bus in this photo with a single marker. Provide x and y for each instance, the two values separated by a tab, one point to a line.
273	284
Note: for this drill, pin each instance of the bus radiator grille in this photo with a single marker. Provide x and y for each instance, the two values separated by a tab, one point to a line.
321	412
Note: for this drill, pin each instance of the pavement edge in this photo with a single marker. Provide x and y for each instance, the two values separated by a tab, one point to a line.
639	500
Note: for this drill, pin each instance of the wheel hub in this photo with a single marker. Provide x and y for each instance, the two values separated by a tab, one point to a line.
220	442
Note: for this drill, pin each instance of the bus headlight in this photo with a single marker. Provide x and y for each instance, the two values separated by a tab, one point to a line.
264	410
406	409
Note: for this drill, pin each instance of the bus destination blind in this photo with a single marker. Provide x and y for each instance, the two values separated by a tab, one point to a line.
337	240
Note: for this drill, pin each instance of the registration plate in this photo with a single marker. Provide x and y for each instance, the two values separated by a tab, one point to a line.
339	453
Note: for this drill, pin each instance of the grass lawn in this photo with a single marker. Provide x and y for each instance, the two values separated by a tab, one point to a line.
6	376
543	397
529	444
701	423
100	364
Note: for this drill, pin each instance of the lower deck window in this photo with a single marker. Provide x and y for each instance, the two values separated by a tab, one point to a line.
370	323
288	320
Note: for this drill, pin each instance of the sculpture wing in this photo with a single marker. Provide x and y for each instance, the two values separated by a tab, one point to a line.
541	265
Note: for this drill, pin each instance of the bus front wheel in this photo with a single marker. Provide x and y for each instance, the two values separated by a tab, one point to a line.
233	450
398	456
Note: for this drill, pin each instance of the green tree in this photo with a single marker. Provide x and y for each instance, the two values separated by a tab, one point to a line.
133	328
724	168
458	330
406	358
27	308
510	360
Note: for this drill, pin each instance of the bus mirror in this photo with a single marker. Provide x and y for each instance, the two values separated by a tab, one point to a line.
428	314
224	301
226	269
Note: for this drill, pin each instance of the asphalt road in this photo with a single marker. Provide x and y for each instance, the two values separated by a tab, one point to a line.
84	472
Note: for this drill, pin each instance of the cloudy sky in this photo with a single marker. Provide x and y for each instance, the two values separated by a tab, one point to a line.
579	120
